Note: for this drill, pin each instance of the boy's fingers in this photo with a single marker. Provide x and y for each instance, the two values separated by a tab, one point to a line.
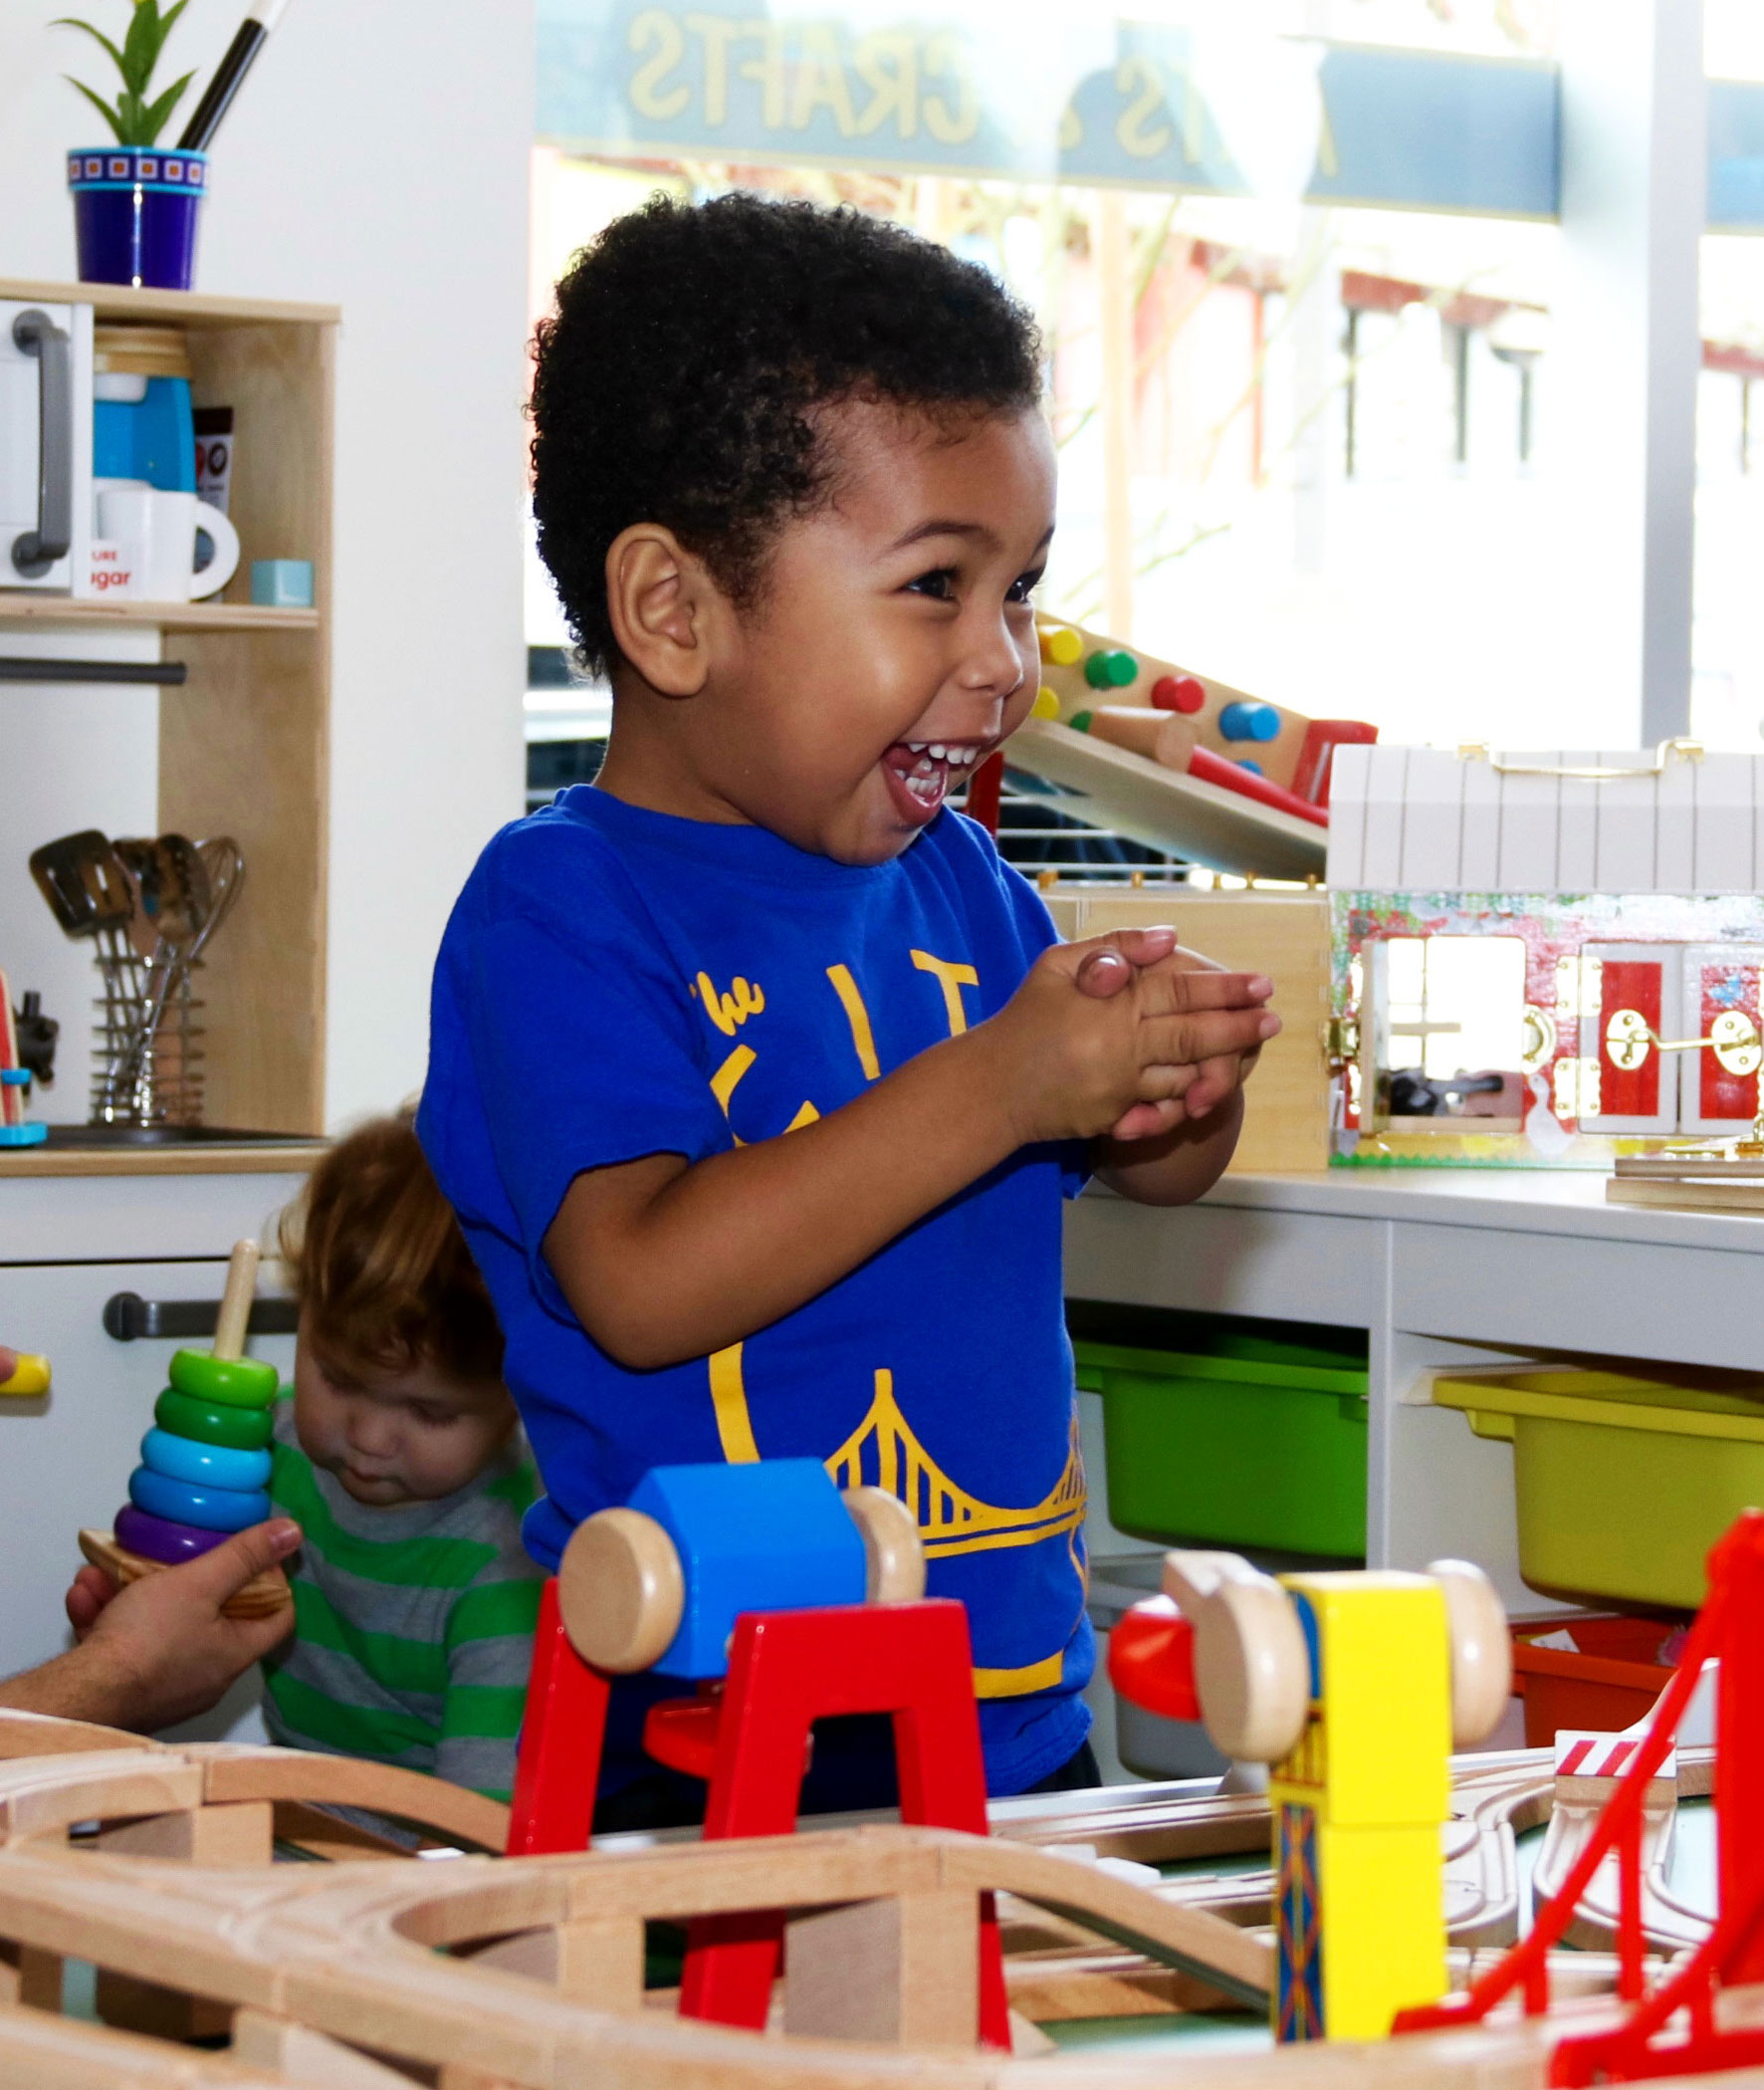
1214	1081
1185	1040
1103	974
1171	990
8	1364
1149	1120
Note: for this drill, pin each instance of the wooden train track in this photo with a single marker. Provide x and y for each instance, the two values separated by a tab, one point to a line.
151	1862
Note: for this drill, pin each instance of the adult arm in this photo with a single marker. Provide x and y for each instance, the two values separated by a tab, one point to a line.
160	1650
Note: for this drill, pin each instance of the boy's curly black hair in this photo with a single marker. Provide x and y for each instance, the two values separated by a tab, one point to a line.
690	344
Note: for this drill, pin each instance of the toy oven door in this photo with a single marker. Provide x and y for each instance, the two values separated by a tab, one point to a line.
45	445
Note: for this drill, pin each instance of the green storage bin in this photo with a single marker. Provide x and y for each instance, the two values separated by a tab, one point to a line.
1622	1485
1235	1438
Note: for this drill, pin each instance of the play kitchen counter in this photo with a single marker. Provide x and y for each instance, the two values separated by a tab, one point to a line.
242	721
137	1232
1445	1269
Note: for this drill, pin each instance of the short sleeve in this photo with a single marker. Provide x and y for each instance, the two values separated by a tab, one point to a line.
560	1040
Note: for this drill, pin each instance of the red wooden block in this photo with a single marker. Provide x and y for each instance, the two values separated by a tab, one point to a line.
561	1735
788	1668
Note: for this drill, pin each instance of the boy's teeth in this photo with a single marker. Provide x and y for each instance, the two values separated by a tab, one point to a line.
937	752
918	746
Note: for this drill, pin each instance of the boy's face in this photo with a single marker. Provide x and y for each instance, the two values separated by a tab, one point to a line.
892	648
396	1437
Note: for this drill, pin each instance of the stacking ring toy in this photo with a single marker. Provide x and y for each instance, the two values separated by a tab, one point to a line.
245	1429
154	1538
235	1382
204	1464
182	1502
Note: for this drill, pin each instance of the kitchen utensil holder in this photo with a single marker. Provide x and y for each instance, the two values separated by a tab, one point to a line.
137	1081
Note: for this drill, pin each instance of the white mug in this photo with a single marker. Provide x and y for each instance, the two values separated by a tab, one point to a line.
156	536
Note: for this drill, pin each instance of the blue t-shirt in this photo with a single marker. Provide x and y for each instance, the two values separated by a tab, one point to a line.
615	982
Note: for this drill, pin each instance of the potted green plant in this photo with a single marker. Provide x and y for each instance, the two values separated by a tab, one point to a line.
135	205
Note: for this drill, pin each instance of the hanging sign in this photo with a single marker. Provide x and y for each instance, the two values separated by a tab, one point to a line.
1077	99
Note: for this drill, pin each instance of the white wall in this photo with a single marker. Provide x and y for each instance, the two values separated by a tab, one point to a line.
376	159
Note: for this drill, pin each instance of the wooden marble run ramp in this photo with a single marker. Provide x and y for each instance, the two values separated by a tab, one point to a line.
475	1971
1167	809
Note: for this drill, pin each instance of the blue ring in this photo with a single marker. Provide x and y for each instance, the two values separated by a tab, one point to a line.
204	1464
214	1509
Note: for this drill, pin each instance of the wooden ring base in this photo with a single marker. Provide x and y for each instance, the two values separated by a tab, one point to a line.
263	1594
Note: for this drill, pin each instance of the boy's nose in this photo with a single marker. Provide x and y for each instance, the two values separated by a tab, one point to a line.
370	1430
993	664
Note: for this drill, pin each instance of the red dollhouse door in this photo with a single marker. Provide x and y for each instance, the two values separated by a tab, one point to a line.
1718	1086
1639	1000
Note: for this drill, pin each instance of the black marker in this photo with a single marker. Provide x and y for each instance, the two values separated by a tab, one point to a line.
253	33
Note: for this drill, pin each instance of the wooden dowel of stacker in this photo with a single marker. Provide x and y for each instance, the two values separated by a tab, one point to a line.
235	1305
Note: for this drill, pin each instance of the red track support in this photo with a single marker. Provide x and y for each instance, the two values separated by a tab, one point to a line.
788	1668
1729	1626
561	1740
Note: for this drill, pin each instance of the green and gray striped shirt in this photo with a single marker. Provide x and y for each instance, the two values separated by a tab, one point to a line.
413	1625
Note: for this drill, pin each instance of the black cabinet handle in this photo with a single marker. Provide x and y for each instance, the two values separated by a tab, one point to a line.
128	1316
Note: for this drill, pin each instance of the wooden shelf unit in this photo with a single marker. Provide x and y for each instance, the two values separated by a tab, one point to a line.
244	743
21	609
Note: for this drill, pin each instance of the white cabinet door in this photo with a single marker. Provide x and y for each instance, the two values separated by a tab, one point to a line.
64	1460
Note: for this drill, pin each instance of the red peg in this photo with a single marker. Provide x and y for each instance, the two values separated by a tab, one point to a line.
1151	1659
1179	693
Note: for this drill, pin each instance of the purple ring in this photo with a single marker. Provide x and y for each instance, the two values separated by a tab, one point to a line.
159	1539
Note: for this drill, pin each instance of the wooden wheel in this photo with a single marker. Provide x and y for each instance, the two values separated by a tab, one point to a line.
620	1590
1482	1651
893	1560
1253	1674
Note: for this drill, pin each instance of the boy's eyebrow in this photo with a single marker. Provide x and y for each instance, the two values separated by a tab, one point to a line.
942	527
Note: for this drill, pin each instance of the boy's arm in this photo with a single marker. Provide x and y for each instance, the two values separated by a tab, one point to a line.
489	1653
664	1261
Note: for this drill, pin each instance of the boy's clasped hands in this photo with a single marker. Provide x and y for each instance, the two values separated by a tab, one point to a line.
1128	1037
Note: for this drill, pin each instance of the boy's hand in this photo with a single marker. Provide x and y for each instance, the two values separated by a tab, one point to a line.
1146	1028
1103	974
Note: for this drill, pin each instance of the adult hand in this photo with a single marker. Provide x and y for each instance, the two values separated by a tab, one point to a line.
160	1650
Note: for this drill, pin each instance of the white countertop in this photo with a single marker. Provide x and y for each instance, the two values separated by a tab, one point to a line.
1512	1199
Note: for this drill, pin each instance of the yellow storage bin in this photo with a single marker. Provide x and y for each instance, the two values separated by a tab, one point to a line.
1622	1484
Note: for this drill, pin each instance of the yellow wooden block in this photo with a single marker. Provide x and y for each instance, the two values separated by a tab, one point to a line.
1061	645
1382	1903
1046	704
1385	1703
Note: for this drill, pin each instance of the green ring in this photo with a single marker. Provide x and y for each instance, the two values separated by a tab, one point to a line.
236	1382
239	1429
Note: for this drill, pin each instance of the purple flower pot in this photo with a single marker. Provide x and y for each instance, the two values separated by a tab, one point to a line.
135	214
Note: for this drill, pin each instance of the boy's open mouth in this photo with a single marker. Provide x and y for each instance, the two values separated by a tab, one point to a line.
920	772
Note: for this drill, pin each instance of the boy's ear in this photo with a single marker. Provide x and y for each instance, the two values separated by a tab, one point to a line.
658	597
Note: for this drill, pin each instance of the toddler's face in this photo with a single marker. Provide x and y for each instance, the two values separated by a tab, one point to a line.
893	646
397	1437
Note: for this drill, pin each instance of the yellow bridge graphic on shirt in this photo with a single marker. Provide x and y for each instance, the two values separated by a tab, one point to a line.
882	1452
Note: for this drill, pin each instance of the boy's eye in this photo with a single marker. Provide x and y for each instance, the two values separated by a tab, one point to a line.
938	584
1024	586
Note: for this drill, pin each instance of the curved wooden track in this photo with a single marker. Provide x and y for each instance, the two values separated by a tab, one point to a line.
476	1972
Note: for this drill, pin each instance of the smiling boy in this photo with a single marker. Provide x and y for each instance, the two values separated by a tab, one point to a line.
756	1076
